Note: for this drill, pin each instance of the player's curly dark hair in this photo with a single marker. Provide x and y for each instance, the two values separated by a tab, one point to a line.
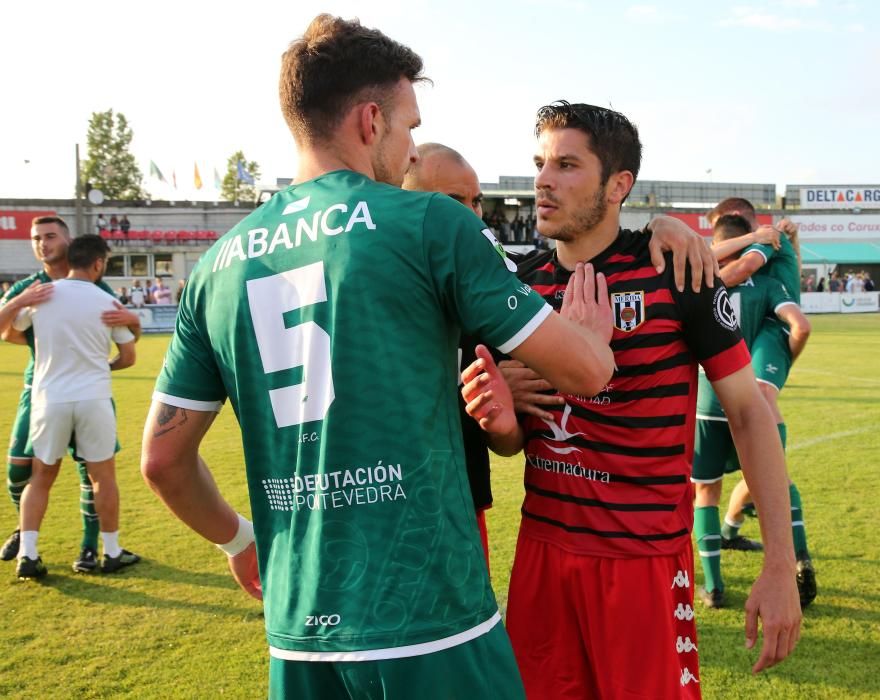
334	65
612	137
85	249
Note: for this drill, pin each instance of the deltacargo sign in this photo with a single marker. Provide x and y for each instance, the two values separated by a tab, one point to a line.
841	197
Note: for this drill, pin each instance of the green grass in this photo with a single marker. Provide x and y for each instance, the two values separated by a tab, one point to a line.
175	626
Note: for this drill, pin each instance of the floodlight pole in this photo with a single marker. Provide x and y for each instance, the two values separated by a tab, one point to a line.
80	228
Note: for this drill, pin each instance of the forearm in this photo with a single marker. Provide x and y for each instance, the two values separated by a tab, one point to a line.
797	341
8	312
508	444
725	249
189	491
763	465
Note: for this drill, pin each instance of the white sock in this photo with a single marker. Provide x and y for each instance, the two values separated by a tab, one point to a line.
28	544
111	543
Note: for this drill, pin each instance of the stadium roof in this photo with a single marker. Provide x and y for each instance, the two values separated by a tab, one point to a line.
850	253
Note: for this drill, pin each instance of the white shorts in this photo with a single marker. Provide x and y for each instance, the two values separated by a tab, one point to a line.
92	422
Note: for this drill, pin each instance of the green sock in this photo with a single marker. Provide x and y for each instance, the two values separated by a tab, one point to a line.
17	477
798	531
91	526
730	530
783	433
707	530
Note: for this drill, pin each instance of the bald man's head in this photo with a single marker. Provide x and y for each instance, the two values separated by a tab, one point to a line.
442	169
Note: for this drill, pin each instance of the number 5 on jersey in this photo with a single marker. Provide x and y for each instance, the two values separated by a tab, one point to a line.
305	345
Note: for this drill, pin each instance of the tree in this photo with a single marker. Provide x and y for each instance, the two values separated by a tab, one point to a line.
236	186
110	166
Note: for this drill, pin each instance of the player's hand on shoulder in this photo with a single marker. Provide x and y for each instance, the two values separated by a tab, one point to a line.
687	247
787	226
768	235
774	599
586	302
120	316
36	294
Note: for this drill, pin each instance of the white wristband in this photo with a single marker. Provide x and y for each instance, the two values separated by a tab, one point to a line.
242	539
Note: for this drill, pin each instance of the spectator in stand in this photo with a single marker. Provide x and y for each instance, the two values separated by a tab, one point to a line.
835	284
160	293
180	285
101	224
114	224
809	284
821	286
869	283
138	295
122	295
124	226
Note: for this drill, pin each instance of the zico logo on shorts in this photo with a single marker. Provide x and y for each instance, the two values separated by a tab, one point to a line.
323	620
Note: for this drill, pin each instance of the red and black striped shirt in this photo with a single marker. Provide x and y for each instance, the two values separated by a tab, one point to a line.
610	475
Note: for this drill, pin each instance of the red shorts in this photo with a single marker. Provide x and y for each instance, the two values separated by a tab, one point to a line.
484	533
596	627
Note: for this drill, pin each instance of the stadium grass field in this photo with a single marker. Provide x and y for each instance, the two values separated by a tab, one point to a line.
176	626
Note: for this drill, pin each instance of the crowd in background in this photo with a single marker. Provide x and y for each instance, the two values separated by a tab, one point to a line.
519	231
158	293
849	282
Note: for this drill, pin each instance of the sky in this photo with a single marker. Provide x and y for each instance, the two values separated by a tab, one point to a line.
781	91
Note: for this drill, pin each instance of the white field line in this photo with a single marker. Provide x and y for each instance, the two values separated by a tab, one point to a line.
854	380
827	438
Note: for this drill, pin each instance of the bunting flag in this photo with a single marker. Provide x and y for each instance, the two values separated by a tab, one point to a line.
218	183
156	173
243	175
174	178
197	179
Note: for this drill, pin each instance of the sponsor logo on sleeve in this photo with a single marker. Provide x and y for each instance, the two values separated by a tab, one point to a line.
723	309
499	249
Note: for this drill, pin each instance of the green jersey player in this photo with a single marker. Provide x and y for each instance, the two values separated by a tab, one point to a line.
772	356
754	302
330	320
50	238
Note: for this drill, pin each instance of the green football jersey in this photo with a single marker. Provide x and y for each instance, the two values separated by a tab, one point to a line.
755	302
330	318
17	289
782	265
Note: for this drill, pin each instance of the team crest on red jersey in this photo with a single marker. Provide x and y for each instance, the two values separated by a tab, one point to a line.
629	310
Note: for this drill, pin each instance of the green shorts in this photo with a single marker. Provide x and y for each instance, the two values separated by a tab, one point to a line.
771	355
20	441
481	668
714	452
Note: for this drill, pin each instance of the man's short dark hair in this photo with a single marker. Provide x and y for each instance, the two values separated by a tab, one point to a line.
51	220
730	226
734	204
612	137
334	65
85	250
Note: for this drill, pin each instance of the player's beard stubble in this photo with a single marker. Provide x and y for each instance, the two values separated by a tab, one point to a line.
585	218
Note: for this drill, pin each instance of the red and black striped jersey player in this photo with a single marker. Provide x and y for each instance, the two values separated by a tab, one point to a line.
601	593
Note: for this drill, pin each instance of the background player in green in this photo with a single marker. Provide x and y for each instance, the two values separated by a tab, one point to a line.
771	360
50	238
754	301
330	318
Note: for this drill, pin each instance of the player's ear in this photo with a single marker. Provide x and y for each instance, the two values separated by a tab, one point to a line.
370	122
618	186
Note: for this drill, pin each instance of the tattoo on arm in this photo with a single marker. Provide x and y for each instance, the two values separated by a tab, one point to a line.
169	418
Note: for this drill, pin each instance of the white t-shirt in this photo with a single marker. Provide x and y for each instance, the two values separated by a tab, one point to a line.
72	344
137	296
